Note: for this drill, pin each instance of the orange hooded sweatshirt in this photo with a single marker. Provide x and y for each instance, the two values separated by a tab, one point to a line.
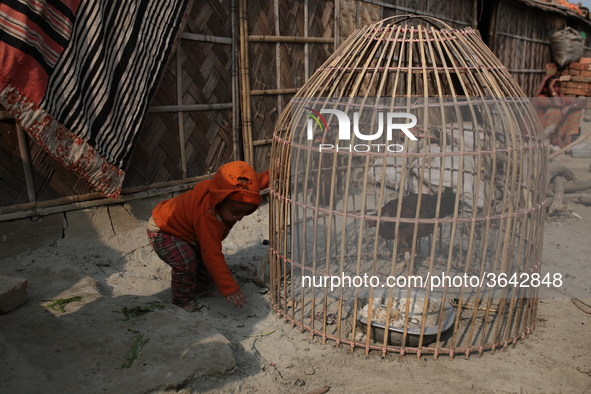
193	217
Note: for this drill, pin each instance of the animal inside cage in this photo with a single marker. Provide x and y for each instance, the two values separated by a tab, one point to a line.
407	195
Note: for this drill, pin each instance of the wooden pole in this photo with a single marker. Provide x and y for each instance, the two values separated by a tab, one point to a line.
25	158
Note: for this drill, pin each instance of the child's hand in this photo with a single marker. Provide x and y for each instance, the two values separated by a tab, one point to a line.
237	298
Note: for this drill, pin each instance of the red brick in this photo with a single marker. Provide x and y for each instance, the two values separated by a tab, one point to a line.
575	92
578	78
551	66
579	66
586	60
586	73
565	78
13	293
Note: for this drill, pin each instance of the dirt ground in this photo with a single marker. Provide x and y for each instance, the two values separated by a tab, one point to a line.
102	255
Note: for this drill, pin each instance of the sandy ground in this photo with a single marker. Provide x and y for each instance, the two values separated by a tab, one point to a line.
102	255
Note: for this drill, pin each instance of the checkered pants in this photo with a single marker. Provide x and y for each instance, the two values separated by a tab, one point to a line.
190	278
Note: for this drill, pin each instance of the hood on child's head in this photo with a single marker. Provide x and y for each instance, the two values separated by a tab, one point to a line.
238	181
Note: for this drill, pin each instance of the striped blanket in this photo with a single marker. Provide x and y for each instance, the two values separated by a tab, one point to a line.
78	76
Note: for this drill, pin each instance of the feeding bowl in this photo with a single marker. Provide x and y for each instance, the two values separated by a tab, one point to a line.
396	332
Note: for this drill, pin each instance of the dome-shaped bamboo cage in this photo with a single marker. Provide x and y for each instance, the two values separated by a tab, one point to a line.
408	187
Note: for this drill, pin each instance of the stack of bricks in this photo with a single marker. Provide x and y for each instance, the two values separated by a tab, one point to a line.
575	78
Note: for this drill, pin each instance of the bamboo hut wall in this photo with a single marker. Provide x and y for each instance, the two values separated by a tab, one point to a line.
269	72
206	79
457	13
521	40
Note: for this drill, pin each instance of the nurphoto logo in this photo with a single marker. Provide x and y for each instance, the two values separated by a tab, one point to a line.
317	121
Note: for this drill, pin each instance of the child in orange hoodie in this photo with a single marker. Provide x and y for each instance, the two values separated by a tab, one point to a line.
187	231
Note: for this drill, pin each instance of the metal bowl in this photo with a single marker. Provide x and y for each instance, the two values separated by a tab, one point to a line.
395	334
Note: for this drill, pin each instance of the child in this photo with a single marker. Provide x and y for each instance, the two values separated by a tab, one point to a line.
186	232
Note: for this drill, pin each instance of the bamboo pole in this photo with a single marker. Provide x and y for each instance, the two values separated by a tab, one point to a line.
265	92
190	108
206	38
26	159
72	203
237	152
337	23
179	99
291	39
278	57
306	45
523	38
263	142
561	151
245	85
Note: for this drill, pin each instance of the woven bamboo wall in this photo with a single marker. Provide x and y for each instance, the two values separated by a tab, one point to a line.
205	78
282	66
207	96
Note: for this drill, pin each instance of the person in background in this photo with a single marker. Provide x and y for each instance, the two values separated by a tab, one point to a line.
187	231
560	115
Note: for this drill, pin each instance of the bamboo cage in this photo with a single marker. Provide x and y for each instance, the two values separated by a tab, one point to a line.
459	193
